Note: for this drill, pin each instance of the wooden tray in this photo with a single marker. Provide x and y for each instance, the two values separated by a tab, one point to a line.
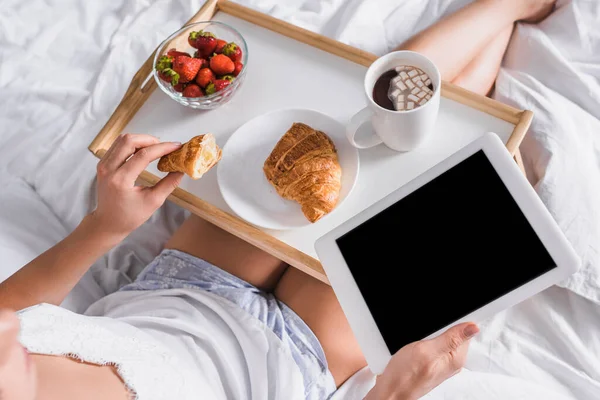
292	67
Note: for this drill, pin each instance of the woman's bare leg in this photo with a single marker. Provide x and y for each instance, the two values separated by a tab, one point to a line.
230	253
480	74
455	41
316	303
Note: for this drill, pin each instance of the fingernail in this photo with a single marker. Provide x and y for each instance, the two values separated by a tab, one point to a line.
471	330
176	143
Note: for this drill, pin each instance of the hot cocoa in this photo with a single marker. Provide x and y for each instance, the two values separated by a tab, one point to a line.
404	88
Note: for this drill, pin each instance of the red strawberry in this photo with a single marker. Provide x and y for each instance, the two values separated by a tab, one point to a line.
174	53
186	67
220	44
179	87
192	37
164	77
221	64
217	86
204	77
206	43
192	90
169	75
233	51
238	68
204	60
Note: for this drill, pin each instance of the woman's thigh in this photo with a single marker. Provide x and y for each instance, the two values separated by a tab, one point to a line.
316	303
228	252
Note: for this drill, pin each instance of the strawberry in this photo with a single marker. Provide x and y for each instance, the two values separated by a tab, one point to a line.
216	86
174	53
192	37
192	90
179	87
238	68
169	75
221	64
206	43
186	67
204	60
220	44
204	77
229	78
233	51
163	63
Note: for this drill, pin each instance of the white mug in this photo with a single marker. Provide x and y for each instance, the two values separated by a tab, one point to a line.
399	130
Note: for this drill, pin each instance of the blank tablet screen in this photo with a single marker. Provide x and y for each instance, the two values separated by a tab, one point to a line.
440	253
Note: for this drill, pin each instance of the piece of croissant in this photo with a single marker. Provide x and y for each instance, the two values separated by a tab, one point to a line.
194	158
304	167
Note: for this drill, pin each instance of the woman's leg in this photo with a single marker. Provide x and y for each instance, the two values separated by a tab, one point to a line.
316	303
480	74
230	253
455	41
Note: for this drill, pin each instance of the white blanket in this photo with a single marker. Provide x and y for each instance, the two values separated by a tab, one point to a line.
65	65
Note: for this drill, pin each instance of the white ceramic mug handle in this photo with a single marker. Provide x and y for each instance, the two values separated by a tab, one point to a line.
356	122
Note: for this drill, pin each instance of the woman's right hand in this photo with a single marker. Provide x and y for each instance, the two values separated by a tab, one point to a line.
419	367
123	206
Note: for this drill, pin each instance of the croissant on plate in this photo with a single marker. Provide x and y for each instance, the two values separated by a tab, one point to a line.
194	158
304	167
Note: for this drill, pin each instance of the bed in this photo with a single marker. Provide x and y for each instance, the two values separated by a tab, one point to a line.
65	65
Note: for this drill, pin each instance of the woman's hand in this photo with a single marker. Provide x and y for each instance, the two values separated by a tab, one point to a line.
419	367
122	206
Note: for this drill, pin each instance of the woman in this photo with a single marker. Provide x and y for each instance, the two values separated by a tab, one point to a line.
251	327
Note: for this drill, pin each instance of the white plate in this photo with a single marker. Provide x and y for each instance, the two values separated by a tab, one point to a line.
240	171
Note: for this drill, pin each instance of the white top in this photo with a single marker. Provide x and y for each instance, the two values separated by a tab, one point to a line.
176	344
189	344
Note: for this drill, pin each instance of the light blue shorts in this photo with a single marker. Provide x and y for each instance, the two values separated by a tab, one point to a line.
176	269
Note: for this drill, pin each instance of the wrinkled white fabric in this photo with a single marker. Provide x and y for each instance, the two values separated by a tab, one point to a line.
171	344
141	361
64	66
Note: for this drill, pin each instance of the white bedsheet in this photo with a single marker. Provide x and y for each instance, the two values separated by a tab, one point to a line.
64	66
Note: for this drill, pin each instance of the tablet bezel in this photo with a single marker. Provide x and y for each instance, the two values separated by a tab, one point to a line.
353	304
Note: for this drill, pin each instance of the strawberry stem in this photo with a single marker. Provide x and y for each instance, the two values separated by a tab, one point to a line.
163	63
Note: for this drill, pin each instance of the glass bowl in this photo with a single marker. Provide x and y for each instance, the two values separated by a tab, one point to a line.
178	40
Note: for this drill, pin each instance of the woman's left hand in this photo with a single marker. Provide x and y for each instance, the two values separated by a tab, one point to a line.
419	367
122	206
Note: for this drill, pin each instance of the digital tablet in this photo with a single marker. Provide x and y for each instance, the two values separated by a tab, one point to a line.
461	242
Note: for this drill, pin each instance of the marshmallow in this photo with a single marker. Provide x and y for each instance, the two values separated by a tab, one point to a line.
408	90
